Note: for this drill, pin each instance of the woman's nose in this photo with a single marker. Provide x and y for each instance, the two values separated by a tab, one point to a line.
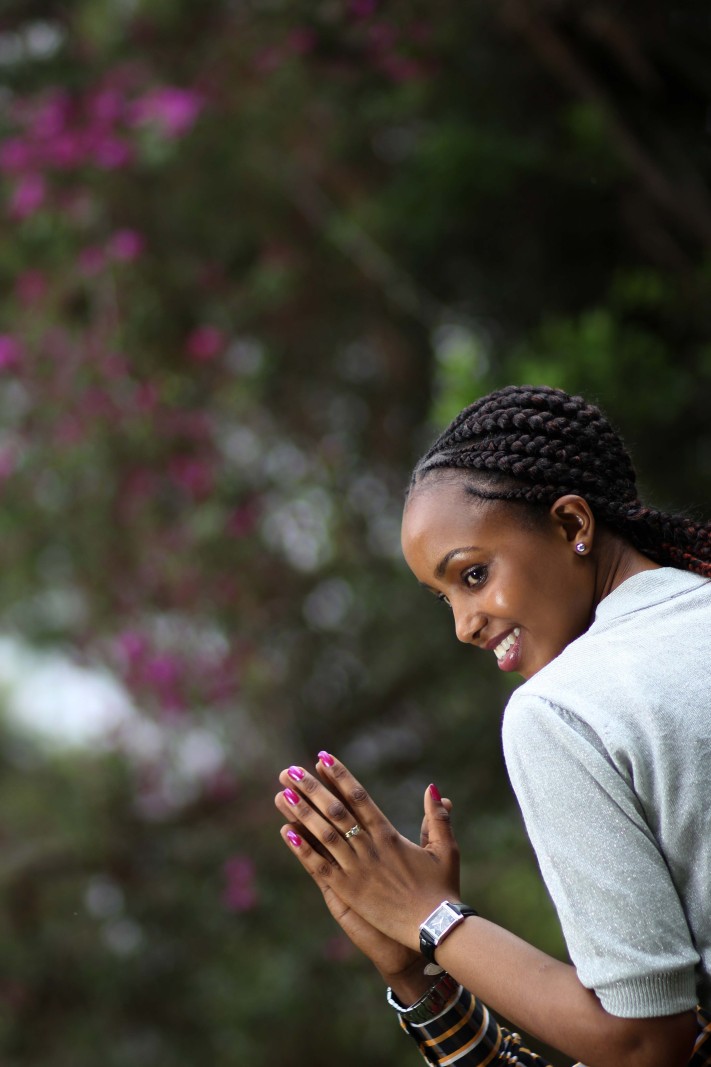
467	625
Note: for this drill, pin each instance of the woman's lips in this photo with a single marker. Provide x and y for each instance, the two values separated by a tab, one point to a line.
507	648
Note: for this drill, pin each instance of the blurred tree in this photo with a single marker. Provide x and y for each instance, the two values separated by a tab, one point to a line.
253	254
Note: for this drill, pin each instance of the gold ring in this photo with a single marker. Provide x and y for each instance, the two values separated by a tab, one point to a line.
353	832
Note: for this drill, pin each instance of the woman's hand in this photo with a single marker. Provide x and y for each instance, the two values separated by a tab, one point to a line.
376	880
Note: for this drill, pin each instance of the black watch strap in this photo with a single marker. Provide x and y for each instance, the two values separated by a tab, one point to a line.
441	922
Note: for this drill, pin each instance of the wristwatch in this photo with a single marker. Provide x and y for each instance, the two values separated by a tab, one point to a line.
440	923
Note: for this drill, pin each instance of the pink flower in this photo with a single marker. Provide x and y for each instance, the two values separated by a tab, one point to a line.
111	153
193	475
30	287
174	111
132	647
50	116
91	260
107	106
240	893
126	245
363	9
302	40
243	519
115	366
402	69
268	60
162	671
146	398
66	150
8	462
16	155
28	196
10	351
204	343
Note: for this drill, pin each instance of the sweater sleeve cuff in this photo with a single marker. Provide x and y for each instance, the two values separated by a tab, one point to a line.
650	995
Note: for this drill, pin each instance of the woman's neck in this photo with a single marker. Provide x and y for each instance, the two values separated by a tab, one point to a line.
618	561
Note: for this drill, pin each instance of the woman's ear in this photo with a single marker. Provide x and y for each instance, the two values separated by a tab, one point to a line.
574	518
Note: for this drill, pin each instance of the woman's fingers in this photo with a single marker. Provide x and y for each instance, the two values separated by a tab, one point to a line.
342	800
358	801
323	816
320	867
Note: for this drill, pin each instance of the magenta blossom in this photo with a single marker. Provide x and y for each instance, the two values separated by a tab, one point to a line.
240	893
16	155
111	153
173	111
107	106
8	462
204	343
363	9
126	245
50	117
91	260
31	287
302	40
132	647
66	150
162	671
28	196
195	476
10	351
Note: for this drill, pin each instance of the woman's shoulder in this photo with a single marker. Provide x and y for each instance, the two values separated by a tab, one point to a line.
642	669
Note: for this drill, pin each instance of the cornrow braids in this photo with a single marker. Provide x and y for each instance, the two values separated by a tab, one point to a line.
535	444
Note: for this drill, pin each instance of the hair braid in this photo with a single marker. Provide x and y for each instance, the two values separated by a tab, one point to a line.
535	444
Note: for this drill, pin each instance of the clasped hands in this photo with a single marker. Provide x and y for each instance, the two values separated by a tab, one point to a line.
377	884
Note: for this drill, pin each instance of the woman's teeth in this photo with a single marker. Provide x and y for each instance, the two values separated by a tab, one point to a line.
503	647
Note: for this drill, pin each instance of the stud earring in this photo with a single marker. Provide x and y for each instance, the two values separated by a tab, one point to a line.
581	547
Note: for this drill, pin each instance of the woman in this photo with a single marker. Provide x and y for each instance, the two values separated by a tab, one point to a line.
524	518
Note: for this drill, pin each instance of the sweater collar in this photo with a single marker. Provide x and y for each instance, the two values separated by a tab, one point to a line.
645	589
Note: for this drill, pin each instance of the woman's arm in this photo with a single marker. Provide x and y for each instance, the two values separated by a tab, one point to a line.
393	885
545	997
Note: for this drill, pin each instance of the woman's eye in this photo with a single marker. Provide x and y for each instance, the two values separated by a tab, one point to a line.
475	576
444	599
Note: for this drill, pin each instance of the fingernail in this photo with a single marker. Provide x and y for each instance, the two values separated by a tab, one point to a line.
291	796
296	774
294	839
326	758
434	792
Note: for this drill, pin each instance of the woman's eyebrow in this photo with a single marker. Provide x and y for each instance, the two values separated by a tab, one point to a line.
442	565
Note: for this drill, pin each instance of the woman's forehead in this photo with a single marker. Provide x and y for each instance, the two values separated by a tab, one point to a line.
437	506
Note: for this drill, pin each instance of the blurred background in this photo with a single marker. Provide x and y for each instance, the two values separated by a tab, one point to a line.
254	254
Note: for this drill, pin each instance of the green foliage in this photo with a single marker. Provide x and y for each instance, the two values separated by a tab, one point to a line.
254	256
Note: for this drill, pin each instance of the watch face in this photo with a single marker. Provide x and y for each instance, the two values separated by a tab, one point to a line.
441	919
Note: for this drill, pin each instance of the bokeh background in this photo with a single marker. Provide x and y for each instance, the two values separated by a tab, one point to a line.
253	254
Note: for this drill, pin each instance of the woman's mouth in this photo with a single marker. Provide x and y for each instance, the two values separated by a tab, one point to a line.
508	650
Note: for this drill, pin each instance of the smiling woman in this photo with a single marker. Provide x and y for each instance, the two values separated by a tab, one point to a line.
524	518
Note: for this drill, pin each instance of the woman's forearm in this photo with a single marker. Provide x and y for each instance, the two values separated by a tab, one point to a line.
545	997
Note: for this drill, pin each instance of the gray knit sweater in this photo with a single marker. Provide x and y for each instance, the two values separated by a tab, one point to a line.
609	753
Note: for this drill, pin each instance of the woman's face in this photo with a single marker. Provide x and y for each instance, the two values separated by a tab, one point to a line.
520	591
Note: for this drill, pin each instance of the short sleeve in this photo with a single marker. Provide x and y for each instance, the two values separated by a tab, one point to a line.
621	916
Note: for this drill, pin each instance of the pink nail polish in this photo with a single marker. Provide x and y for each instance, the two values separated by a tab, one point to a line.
435	794
326	758
294	839
296	774
291	796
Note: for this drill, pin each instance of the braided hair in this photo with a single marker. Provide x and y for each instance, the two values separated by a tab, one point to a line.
535	444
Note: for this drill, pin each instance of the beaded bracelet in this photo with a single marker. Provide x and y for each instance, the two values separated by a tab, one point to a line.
430	1003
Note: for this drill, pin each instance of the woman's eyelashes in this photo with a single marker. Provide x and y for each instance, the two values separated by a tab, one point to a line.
475	576
472	578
